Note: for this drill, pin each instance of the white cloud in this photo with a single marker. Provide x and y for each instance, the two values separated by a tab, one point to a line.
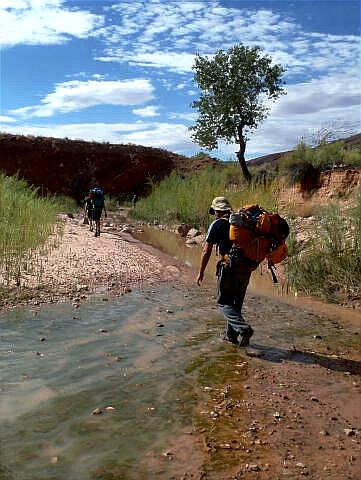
170	136
320	94
149	111
174	137
76	95
6	119
190	117
139	35
283	133
43	22
179	62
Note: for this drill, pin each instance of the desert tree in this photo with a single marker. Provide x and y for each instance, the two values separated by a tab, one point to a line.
237	87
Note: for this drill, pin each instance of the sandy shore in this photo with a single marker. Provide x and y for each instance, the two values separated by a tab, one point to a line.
81	264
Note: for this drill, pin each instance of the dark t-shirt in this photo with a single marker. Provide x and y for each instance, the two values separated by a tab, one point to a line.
218	234
89	204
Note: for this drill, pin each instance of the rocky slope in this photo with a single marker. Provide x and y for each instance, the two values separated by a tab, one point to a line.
69	167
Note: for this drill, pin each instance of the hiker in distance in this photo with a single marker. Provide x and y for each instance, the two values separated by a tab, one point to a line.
88	210
98	203
232	282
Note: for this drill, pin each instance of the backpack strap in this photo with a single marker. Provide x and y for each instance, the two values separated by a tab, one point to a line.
272	269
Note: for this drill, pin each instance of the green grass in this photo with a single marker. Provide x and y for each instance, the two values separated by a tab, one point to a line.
187	200
331	266
304	161
26	222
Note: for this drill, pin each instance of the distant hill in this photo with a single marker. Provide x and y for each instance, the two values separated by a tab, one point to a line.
271	160
70	167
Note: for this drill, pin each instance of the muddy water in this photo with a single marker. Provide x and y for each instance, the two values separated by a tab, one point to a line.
57	366
261	280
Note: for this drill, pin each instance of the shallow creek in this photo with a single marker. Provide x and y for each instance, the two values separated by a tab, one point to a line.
151	355
261	280
138	354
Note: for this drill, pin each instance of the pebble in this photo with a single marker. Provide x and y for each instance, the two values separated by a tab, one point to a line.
103	330
169	311
350	432
253	467
97	411
160	325
42	339
110	409
54	460
168	453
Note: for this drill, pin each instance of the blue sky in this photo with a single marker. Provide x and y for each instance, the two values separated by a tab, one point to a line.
117	71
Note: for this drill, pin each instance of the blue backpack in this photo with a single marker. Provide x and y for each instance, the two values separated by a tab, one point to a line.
98	197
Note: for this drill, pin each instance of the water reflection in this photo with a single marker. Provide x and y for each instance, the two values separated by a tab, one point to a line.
261	280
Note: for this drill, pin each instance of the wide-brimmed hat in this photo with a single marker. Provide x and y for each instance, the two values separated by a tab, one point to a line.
220	204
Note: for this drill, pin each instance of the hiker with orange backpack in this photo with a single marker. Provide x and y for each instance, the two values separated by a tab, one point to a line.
243	246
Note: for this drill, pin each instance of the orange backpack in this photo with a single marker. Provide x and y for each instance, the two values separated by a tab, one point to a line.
259	234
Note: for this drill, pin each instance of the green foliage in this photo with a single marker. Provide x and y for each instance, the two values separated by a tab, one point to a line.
111	203
331	266
352	158
187	200
295	165
305	161
233	85
64	203
26	221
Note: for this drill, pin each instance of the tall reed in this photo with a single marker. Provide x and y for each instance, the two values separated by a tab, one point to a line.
187	200
331	265
26	221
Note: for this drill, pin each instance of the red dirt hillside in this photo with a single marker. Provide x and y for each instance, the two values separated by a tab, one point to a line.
69	167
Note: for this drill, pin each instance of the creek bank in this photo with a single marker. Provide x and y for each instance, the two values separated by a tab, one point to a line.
80	265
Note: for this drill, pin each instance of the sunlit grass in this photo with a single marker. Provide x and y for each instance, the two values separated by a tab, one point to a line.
187	200
26	222
331	265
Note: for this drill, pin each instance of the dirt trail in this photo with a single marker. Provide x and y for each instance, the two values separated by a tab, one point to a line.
82	264
297	414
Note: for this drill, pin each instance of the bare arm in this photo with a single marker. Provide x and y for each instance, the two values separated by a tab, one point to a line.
206	253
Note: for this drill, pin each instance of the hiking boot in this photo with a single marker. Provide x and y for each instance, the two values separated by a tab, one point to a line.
231	335
244	342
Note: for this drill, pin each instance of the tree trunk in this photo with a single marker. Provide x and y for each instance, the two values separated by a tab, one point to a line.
242	160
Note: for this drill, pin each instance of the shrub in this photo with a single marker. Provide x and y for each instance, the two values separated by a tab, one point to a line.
331	265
